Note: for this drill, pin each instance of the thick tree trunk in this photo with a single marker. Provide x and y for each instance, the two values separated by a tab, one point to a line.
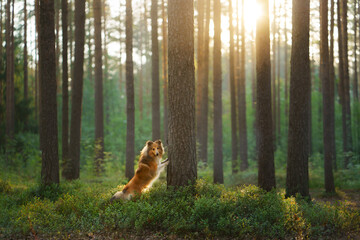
65	91
155	84
130	105
297	178
217	86
286	72
243	147
266	173
99	100
326	88
77	90
182	141
234	142
48	112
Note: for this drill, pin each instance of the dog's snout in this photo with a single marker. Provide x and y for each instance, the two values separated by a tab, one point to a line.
157	154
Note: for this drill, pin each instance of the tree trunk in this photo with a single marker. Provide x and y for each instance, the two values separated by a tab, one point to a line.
130	106
326	88
345	86
57	37
297	178
10	107
200	65
355	83
332	85
1	54
155	85
65	91
165	73
90	53
99	101
48	112
234	142
182	141
243	148
217	85
278	83
286	72
266	169
204	102
77	90
273	75
25	56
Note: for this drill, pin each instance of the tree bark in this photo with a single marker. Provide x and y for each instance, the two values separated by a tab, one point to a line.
297	175
130	105
200	65
204	105
77	90
273	75
10	107
355	83
243	147
234	142
155	85
65	90
165	73
1	54
99	100
48	112
332	85
217	86
25	56
266	169
286	72
182	141
326	88
345	85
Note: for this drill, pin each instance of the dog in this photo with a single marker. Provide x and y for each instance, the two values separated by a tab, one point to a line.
150	167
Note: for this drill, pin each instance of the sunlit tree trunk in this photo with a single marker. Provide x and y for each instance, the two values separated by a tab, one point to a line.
326	88
204	105
243	147
266	169
200	64
273	74
297	175
165	73
182	141
217	86
48	112
234	142
130	106
155	84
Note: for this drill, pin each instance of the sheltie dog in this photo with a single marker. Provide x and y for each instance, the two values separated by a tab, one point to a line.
150	167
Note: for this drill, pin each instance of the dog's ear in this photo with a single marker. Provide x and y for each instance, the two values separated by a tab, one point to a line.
149	143
158	142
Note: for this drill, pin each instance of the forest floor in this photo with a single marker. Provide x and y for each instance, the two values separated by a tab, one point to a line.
350	198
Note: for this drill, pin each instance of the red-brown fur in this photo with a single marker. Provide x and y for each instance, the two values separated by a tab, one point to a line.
149	169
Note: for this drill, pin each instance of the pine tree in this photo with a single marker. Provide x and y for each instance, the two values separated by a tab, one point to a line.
182	141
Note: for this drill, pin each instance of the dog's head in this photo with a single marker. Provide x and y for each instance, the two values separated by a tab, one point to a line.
153	149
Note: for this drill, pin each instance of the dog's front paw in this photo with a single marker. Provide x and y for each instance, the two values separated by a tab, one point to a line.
165	162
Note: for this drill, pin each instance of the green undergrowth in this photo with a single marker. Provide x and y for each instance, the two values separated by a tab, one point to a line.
201	211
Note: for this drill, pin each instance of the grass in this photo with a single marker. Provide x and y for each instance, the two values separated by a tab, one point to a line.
201	211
